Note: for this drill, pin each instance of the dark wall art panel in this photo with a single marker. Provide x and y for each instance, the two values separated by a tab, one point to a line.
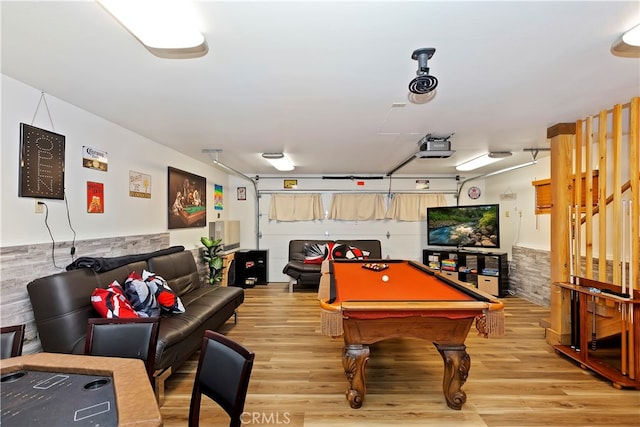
187	199
41	163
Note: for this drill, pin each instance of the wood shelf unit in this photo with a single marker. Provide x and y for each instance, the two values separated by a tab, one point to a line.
488	271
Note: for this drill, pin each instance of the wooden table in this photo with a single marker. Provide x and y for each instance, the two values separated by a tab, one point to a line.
134	397
405	299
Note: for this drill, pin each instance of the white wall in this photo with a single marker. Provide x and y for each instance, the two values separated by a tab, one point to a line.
123	215
519	225
407	239
244	210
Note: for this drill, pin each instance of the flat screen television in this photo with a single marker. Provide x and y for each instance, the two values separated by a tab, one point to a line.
476	226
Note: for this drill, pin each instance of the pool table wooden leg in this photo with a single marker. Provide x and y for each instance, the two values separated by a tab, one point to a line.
456	369
354	360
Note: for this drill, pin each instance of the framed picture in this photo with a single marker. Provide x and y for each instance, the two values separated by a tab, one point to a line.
187	201
93	158
242	193
139	185
95	197
41	166
290	183
217	197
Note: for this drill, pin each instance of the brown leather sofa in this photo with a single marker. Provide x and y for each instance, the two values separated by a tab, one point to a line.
62	304
308	275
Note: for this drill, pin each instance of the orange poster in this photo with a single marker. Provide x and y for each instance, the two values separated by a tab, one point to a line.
95	197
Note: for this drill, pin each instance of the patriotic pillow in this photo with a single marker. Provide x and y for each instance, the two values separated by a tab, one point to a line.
142	295
111	303
314	254
167	299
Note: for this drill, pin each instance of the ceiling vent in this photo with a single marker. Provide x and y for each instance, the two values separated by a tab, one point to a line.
435	146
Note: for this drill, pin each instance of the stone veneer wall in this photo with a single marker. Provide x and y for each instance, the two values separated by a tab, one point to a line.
530	274
21	264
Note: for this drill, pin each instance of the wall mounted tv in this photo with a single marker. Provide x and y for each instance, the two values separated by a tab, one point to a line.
476	226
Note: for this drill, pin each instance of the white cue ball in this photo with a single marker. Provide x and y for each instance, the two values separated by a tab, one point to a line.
385	278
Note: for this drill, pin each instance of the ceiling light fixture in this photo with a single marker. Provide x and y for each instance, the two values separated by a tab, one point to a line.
167	28
279	161
512	168
628	45
484	160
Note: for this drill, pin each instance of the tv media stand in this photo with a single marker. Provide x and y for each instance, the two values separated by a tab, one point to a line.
488	271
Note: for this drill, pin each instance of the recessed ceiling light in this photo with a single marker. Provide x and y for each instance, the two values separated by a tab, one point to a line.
279	161
500	154
632	37
484	160
167	28
628	45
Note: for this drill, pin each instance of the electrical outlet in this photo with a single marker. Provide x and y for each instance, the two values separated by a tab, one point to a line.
39	207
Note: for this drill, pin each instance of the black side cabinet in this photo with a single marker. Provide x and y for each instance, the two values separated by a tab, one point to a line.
250	268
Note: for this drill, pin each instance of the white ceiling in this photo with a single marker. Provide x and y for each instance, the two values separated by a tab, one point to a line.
318	80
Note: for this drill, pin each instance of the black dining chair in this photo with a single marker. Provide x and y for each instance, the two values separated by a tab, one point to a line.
11	341
134	338
223	374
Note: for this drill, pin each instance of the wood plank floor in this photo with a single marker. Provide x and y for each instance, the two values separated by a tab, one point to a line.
517	380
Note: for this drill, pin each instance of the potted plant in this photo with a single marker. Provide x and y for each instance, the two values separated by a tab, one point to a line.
211	257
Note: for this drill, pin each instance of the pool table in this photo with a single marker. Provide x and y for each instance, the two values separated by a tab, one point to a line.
370	301
190	215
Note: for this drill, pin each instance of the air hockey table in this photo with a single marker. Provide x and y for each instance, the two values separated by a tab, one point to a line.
50	389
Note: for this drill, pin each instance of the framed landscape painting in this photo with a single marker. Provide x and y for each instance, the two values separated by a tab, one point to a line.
187	201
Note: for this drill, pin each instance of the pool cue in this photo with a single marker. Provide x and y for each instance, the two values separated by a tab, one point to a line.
578	337
623	244
630	319
594	344
576	242
624	315
575	239
631	343
631	238
624	357
572	293
571	245
623	333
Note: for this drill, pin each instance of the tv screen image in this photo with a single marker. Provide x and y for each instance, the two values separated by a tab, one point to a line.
475	226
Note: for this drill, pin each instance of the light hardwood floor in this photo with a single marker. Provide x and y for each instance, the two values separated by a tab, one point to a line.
517	380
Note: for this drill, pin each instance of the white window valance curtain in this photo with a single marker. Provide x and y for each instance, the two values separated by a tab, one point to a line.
413	207
357	207
296	207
